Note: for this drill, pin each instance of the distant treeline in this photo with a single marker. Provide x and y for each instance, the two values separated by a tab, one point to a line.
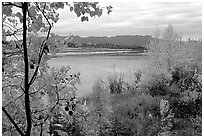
110	46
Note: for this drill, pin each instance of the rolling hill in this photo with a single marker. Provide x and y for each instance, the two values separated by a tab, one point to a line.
125	40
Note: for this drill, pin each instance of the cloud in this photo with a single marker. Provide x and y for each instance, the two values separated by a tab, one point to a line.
135	18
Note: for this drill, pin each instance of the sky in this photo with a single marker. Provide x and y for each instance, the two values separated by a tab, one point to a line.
135	18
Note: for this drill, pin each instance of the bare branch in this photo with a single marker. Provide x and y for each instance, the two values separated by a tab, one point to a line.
14	100
12	121
11	4
41	129
38	89
13	53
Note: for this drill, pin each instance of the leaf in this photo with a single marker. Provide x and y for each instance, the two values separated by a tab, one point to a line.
92	14
83	12
38	24
34	58
53	49
52	44
52	5
12	20
77	12
77	8
84	18
87	10
32	11
63	69
18	14
34	27
46	7
45	58
94	5
18	3
71	8
55	20
39	20
109	11
81	4
87	18
6	10
99	12
60	5
37	43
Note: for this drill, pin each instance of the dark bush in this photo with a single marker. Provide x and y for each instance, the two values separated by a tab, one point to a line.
116	83
135	114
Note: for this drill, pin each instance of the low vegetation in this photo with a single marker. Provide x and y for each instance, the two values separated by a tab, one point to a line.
166	98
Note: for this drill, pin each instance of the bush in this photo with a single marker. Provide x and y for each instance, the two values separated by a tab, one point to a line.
100	110
155	82
116	83
135	114
133	107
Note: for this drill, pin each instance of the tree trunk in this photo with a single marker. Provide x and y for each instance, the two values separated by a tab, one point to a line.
26	83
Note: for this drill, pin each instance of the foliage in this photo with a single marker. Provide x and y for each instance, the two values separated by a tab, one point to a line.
167	99
116	83
139	48
183	88
155	82
100	110
132	113
165	47
34	96
135	114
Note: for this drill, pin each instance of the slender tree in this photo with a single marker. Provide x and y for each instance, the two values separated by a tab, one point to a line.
32	90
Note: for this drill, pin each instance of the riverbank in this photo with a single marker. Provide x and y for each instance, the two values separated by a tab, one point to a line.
98	51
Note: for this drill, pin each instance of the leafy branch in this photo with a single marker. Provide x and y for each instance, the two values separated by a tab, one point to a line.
41	47
38	89
22	93
34	17
57	102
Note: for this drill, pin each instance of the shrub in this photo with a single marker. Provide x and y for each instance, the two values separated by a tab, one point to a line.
135	114
155	82
116	83
100	110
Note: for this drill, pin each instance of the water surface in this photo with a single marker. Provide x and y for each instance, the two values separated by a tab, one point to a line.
95	67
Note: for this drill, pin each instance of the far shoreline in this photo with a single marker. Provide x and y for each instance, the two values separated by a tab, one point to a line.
111	53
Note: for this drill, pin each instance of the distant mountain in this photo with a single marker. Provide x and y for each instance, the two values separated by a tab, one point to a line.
137	40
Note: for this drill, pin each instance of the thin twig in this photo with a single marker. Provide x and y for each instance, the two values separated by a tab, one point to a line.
42	47
11	4
58	99
14	100
38	89
12	121
41	129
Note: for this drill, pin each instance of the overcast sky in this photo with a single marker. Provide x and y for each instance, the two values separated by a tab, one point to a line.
133	18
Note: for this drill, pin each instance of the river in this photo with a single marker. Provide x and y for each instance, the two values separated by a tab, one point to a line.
96	67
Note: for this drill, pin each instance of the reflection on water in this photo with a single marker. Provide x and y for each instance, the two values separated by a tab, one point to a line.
94	67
